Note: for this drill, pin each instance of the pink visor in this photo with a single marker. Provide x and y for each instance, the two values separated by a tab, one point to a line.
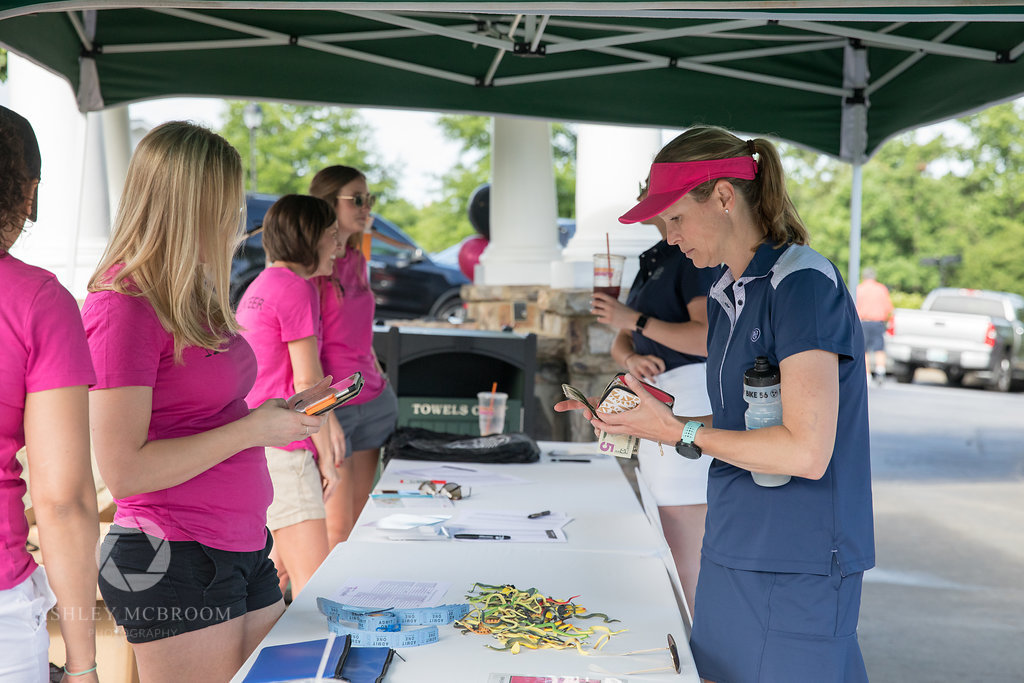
670	181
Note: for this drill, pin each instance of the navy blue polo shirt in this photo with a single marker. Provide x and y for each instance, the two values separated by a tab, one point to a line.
666	282
789	300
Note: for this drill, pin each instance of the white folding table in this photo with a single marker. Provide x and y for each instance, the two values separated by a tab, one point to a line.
614	560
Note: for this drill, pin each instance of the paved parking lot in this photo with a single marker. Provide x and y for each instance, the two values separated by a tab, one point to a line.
946	600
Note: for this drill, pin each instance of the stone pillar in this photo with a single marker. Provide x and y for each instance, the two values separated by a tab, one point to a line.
524	208
610	162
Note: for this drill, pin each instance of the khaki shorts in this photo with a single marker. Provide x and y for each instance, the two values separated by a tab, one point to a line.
298	495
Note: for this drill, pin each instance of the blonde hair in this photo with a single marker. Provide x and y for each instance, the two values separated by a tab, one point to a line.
766	194
178	223
326	185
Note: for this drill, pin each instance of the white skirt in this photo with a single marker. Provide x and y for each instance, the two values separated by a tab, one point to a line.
675	480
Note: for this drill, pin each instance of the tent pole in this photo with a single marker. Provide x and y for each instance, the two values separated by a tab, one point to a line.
853	275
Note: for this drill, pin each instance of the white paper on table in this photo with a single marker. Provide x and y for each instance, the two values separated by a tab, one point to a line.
420	533
458	473
381	594
402	521
506	519
391	501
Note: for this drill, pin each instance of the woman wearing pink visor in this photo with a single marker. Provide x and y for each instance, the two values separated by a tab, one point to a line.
778	594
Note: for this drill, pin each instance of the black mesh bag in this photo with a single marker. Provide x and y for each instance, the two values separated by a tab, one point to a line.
412	443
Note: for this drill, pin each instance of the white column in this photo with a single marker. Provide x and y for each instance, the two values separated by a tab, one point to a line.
117	152
610	162
49	104
524	208
94	213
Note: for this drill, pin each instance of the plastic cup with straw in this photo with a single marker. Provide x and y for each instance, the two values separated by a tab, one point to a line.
608	268
491	410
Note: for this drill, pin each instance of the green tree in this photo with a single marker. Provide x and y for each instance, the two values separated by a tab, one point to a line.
912	207
445	221
294	142
993	230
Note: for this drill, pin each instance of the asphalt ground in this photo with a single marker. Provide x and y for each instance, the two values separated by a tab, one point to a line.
946	599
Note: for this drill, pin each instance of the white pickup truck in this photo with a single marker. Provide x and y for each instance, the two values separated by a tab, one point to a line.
960	331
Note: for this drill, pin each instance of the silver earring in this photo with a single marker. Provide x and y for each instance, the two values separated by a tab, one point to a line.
727	212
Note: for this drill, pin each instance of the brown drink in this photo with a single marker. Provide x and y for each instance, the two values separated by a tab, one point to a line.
613	292
608	274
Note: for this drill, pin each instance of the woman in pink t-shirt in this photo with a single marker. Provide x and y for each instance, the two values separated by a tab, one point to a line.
44	374
185	568
347	308
280	317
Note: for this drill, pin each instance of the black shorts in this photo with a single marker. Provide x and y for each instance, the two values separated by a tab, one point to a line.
156	589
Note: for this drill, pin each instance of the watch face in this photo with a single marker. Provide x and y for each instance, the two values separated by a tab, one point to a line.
688	450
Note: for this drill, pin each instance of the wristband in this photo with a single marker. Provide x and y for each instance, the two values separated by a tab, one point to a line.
79	673
641	323
690	430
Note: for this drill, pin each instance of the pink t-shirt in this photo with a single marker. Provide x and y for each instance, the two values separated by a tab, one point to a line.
224	507
278	307
347	308
43	348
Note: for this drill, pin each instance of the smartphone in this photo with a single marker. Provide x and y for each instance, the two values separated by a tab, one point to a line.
660	394
326	399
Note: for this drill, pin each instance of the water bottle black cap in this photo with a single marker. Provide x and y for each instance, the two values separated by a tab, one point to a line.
763	374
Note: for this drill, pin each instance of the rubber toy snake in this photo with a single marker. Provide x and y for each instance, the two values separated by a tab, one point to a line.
528	619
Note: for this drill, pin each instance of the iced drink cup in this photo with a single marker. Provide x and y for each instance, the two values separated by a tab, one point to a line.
608	274
492	412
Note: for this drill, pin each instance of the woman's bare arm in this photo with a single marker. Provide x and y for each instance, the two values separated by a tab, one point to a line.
64	501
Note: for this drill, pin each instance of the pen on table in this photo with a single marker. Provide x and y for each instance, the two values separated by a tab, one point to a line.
535	515
569	460
485	537
464	469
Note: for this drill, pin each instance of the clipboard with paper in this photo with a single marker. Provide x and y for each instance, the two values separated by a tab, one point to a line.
617	397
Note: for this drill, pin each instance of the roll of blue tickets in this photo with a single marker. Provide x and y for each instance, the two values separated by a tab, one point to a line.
383	627
392	639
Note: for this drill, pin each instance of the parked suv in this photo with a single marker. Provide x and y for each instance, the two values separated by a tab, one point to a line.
406	282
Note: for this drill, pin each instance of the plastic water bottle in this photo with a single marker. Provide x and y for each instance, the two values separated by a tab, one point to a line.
763	392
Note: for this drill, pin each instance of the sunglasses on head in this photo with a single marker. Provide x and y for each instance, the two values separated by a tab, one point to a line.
360	199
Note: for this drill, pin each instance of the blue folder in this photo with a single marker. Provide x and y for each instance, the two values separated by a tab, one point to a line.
287	662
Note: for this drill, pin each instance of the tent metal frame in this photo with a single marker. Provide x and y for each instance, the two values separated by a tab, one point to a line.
815	35
533	29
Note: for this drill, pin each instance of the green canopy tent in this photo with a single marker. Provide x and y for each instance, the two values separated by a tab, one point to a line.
822	74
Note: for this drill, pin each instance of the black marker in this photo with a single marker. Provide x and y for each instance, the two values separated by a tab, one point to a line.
485	537
568	460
